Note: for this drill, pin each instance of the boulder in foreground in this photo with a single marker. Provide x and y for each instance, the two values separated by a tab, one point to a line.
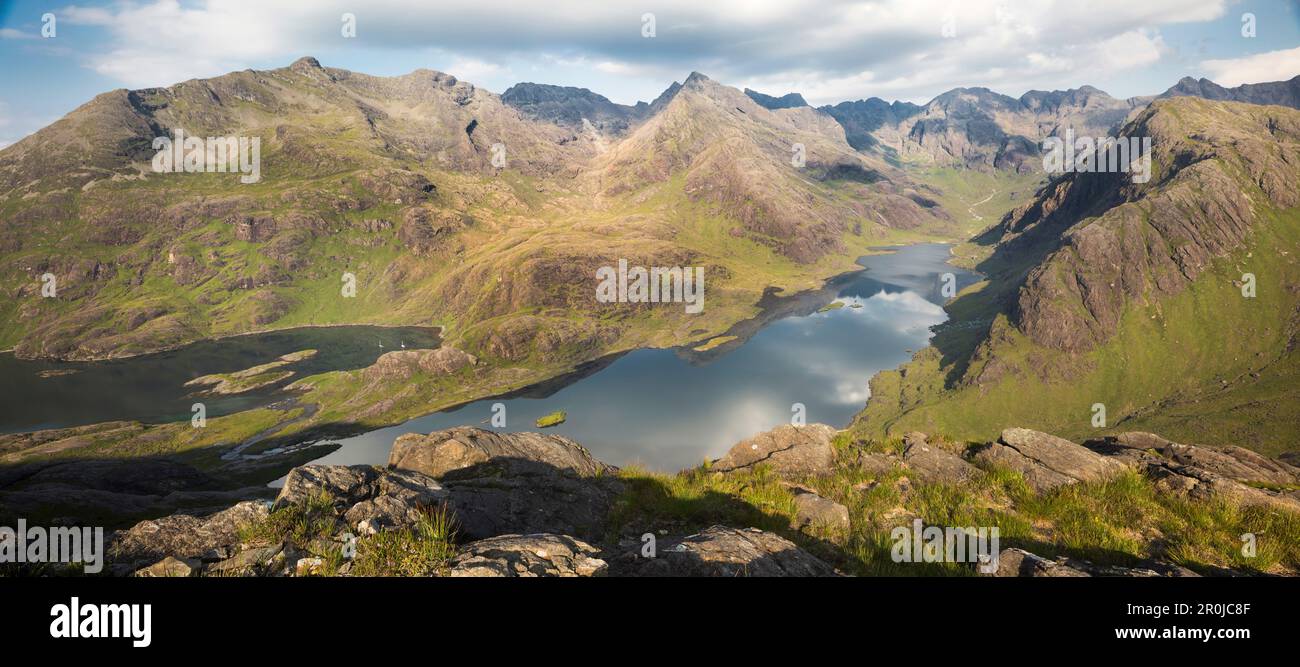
789	450
720	551
538	555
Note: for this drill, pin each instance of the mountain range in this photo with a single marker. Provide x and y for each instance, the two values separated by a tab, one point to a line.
488	215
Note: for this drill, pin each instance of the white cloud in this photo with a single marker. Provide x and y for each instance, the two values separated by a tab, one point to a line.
1270	66
830	51
13	33
469	69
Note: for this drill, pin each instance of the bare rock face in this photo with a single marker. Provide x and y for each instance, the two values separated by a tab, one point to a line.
538	555
1020	563
789	450
1232	462
184	536
1046	461
513	482
814	511
403	364
1201	471
346	484
372	499
720	551
171	567
466	451
930	463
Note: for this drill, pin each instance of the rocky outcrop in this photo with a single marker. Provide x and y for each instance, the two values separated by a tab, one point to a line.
467	451
512	482
1020	563
720	551
371	499
184	536
1046	461
540	555
527	505
1198	471
818	513
789	450
402	365
171	567
930	463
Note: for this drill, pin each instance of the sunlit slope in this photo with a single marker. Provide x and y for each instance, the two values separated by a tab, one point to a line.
1130	296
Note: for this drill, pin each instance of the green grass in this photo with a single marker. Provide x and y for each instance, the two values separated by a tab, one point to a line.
422	550
1206	366
552	419
1122	522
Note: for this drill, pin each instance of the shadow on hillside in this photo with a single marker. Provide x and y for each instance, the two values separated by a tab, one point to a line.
650	506
1020	243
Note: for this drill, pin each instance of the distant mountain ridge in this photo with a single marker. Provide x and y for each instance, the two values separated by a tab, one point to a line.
983	129
787	101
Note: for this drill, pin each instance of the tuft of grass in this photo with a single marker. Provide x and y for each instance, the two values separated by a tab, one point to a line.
299	524
423	550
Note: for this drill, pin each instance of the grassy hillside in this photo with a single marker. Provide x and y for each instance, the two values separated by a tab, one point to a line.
1187	354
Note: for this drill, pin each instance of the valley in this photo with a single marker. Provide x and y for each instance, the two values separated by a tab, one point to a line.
445	207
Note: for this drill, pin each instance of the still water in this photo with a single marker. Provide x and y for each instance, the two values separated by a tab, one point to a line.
671	409
40	394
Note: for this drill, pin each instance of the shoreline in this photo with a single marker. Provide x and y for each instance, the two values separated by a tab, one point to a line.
440	328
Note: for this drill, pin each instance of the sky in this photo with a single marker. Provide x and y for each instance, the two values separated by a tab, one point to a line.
827	50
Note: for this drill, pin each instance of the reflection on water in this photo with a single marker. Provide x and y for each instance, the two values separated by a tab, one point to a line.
670	409
150	388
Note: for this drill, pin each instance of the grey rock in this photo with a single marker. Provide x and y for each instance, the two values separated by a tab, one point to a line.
1039	478
1232	462
348	485
537	555
537	503
1046	461
1013	562
720	551
381	513
814	511
253	561
466	452
933	464
310	566
512	483
184	536
789	450
172	567
1202	472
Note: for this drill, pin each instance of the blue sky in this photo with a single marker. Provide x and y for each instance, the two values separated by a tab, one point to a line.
828	50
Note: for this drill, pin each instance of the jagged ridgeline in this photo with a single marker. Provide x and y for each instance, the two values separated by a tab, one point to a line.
1173	305
450	205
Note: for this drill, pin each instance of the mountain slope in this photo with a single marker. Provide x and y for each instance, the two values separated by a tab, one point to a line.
393	180
1103	291
569	107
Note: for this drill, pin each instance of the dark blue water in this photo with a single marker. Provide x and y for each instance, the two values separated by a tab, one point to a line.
150	388
671	409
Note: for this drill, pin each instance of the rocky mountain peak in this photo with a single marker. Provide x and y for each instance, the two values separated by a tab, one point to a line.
305	64
787	101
